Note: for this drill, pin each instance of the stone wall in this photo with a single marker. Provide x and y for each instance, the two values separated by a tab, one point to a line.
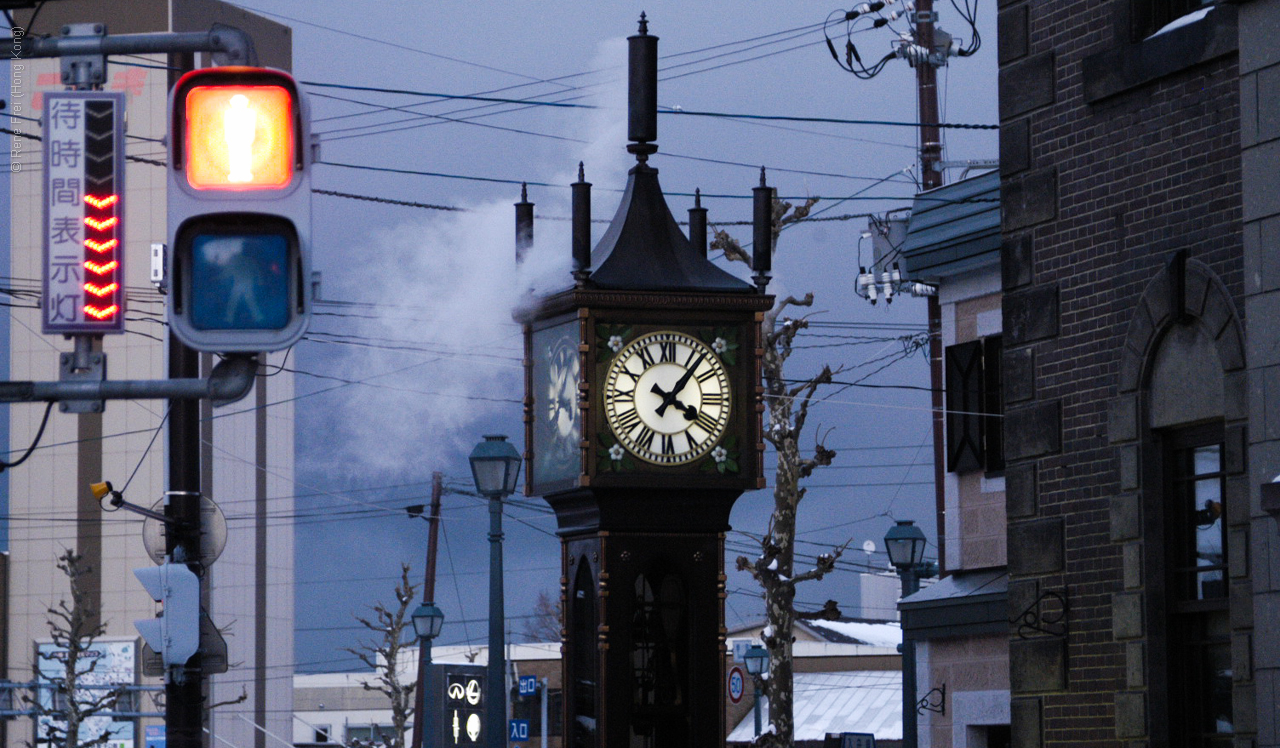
1116	154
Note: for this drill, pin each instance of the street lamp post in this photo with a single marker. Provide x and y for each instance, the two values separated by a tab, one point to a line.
495	465
905	544
428	619
757	660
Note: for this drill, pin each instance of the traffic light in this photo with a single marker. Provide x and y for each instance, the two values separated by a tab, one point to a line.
175	635
239	210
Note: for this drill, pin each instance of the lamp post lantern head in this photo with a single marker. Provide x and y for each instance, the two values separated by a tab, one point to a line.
428	619
905	543
756	658
495	465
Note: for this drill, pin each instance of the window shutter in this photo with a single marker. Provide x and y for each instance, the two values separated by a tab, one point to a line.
993	403
964	385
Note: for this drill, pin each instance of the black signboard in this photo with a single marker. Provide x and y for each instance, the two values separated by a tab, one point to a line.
457	703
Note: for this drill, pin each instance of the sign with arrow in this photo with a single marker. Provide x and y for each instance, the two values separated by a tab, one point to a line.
83	166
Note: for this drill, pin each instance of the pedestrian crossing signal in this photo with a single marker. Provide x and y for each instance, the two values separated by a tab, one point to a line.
239	210
239	137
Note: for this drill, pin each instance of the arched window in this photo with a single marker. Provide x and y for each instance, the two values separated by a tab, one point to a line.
1196	610
659	662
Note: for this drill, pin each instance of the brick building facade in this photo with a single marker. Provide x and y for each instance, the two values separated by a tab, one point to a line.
1137	181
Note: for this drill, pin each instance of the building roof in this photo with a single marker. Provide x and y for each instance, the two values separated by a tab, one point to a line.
644	249
846	637
854	631
962	585
961	604
954	229
858	701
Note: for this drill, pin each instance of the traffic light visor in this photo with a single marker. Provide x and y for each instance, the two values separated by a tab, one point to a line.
239	137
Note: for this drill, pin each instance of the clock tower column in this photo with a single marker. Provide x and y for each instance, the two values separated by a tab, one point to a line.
643	411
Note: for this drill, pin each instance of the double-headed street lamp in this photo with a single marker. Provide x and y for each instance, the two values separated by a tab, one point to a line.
495	465
905	544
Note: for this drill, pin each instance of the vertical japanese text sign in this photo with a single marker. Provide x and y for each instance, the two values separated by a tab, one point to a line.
84	282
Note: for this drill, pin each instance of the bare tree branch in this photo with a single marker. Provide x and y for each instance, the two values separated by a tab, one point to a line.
243	697
384	656
829	612
74	696
787	403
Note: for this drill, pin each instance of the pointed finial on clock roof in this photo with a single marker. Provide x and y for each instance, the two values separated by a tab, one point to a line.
644	248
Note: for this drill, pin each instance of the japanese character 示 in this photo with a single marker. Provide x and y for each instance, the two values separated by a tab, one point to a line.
65	269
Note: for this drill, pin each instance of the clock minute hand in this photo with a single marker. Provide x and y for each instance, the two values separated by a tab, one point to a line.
669	398
683	380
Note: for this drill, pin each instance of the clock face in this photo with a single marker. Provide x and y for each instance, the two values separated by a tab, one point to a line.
561	395
666	397
557	455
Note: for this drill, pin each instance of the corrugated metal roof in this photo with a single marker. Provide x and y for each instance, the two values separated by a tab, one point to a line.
853	701
954	229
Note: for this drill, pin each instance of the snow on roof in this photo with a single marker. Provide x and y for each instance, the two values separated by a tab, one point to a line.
857	701
874	634
1185	20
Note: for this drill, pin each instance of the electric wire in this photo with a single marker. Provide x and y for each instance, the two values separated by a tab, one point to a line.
4	465
145	452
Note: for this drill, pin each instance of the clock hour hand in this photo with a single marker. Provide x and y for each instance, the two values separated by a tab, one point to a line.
669	398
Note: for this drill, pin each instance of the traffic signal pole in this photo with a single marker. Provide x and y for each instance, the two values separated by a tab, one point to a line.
184	684
81	52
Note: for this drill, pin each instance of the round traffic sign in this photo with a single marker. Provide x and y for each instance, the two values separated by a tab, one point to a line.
737	682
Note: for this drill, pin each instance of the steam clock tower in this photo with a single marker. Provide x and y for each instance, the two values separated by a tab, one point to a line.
642	409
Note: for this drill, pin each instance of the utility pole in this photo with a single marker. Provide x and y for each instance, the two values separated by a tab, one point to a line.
927	93
428	594
930	178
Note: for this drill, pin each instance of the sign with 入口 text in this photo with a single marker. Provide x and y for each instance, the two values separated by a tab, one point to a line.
84	282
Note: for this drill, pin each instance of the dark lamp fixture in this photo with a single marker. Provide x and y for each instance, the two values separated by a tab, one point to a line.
757	659
428	619
495	465
905	544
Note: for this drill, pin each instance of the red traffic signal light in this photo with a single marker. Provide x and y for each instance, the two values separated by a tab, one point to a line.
239	137
239	210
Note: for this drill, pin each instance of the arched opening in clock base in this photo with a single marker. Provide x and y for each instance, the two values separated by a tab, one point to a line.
582	722
659	661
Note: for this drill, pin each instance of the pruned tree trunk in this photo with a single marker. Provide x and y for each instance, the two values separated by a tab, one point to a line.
74	628
774	569
383	655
